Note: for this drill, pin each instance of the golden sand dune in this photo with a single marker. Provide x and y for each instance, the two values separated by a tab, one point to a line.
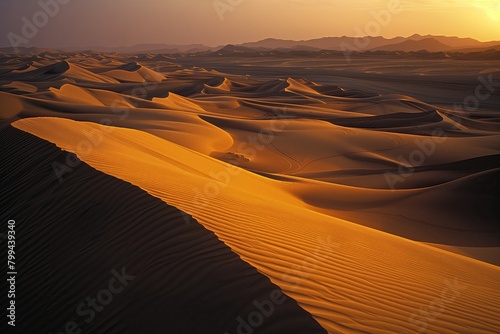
217	86
26	68
299	86
75	94
169	273
333	186
134	72
334	269
177	102
21	87
61	70
10	105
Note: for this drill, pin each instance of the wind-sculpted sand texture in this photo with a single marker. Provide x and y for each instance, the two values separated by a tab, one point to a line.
334	184
170	275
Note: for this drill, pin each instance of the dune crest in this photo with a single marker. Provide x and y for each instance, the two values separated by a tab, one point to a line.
177	102
134	72
337	255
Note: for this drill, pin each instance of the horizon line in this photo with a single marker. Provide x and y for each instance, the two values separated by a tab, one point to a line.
239	43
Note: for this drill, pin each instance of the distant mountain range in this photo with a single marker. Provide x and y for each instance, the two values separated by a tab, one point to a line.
407	44
413	43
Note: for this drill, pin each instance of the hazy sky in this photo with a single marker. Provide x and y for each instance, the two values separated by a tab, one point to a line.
127	22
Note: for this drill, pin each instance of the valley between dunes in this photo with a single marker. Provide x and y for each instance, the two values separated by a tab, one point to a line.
377	212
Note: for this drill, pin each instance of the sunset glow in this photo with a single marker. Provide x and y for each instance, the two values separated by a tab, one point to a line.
221	21
250	166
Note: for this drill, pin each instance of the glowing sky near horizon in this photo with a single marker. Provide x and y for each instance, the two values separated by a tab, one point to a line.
125	22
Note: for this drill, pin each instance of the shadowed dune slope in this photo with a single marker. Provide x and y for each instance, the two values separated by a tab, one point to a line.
72	235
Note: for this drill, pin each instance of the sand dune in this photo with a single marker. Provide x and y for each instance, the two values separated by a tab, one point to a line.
134	72
217	86
60	70
362	193
182	276
21	87
347	244
177	102
75	94
299	86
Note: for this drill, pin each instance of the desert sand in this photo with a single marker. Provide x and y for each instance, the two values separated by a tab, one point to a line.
360	190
